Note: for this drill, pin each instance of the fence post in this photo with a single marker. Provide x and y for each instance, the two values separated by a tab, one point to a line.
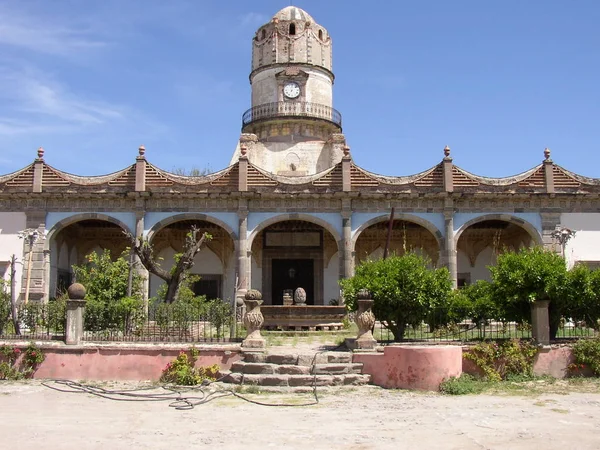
253	320
540	322
365	319
75	307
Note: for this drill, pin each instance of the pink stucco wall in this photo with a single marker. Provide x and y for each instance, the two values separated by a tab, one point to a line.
122	362
412	366
425	367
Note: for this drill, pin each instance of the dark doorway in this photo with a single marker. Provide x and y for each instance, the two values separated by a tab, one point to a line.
292	274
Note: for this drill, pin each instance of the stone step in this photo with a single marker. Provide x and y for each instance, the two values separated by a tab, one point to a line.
339	368
298	359
281	380
251	368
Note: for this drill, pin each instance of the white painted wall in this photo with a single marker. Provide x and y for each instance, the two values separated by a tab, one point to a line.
331	288
480	271
585	245
10	244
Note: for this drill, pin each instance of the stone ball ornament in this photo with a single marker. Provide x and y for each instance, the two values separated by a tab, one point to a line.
76	291
253	294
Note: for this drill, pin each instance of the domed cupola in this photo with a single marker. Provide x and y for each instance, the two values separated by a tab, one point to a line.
292	36
292	125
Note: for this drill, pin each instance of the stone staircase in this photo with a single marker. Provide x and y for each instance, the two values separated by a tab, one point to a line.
328	368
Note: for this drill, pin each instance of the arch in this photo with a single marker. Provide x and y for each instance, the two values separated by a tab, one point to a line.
292	29
529	228
191	216
62	224
321	34
296	216
405	217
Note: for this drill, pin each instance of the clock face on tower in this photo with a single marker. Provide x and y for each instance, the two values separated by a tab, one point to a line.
291	90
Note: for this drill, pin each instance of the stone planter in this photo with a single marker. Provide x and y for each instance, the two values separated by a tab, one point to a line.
365	320
253	321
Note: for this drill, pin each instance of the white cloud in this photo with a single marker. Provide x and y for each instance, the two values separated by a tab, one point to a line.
21	30
38	97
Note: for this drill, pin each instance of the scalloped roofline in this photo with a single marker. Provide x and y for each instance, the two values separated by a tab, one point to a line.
16	173
397	180
503	181
295	180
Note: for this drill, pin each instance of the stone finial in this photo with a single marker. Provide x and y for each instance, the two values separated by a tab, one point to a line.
40	153
76	291
446	151
243	149
547	154
253	294
142	150
346	150
363	294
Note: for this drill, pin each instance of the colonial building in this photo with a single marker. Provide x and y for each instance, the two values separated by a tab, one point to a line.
292	209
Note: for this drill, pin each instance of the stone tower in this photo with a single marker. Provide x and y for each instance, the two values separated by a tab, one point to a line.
291	128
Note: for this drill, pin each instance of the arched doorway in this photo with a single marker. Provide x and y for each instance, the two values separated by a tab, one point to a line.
480	241
289	254
214	264
71	243
406	236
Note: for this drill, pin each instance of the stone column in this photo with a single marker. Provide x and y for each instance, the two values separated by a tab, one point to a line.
450	253
139	232
550	220
365	320
347	237
540	322
242	255
253	320
75	309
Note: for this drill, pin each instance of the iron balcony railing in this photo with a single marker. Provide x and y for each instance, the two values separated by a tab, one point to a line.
292	109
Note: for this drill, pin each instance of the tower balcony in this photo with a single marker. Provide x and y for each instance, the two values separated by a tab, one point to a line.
296	110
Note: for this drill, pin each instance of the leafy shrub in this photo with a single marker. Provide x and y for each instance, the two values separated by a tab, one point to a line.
587	353
499	360
463	385
404	288
182	371
106	281
520	278
16	364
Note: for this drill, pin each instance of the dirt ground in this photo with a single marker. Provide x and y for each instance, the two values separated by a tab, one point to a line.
33	416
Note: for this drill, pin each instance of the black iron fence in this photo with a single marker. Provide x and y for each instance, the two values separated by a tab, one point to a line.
438	329
35	321
176	322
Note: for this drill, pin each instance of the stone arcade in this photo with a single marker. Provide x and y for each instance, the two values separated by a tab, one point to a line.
292	210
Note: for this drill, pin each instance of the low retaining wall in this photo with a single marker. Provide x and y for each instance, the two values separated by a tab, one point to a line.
421	367
122	361
412	367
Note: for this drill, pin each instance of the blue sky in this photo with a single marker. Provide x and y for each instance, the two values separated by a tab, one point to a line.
498	81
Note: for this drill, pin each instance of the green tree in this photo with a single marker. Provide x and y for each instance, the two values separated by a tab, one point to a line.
520	278
106	282
404	288
583	295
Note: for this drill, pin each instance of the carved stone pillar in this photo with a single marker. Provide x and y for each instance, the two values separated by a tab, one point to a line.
550	220
365	320
253	321
450	253
139	232
540	321
75	309
243	259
